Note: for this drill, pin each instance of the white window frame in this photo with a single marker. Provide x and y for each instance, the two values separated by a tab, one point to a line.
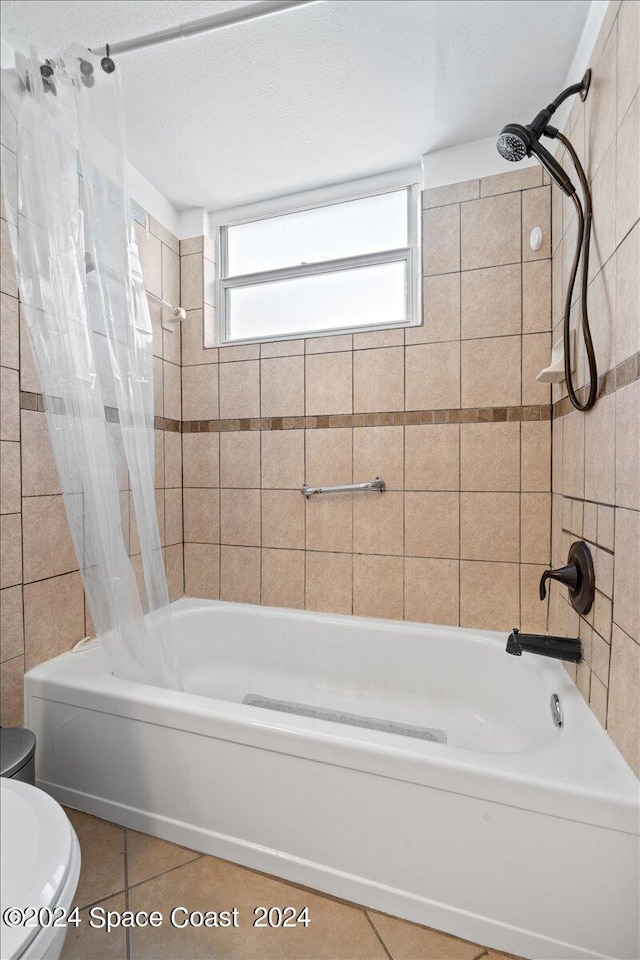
410	255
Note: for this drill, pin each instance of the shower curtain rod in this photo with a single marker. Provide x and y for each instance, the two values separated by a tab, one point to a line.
252	11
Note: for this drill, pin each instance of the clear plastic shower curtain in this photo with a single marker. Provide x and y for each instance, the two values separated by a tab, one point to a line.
83	299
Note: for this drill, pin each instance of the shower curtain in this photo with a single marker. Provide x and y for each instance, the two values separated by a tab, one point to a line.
82	296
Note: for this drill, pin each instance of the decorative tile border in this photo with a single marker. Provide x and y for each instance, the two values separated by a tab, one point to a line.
383	419
170	426
626	372
31	401
620	376
35	401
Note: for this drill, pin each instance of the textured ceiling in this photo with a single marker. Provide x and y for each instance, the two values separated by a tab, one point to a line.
332	91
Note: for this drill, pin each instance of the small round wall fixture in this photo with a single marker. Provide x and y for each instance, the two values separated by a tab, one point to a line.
535	238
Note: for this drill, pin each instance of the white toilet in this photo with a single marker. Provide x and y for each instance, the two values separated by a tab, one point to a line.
40	857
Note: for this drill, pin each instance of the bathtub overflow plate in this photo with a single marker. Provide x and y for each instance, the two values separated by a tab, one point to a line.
556	710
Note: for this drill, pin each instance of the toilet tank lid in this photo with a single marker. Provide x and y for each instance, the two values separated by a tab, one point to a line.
17	747
38	851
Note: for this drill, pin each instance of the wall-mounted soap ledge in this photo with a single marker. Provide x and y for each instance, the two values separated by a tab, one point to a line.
554	373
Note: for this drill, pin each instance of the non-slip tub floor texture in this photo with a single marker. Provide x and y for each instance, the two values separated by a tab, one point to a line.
126	870
350	719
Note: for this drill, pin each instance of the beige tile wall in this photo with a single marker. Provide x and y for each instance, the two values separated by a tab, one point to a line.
463	531
596	456
42	606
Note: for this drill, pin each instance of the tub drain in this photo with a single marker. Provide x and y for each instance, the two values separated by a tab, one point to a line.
350	719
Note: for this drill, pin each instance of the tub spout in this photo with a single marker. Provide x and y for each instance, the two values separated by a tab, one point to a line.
560	648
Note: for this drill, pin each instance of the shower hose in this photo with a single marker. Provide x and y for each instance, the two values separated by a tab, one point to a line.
582	249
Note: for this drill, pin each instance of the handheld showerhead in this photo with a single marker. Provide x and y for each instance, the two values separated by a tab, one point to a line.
511	146
514	144
517	142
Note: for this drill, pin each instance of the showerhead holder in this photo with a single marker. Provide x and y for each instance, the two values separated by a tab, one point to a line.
518	140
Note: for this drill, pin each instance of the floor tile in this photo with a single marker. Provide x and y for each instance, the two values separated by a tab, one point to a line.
148	856
336	931
492	955
102	849
163	875
408	941
88	943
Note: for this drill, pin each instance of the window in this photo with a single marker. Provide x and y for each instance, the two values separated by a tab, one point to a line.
344	266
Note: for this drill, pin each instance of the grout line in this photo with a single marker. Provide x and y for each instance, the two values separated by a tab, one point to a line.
108	896
378	935
459	551
360	553
597	503
20	467
260	497
593	543
127	933
304	475
404	426
404	499
219	399
353	506
196	856
181	590
18	656
522	252
356	350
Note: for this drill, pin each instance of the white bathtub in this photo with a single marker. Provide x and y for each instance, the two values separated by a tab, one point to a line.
516	834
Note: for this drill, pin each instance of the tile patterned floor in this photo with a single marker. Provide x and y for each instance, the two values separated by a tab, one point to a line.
125	870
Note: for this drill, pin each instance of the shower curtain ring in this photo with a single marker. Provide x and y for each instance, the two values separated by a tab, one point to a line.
107	63
86	73
46	72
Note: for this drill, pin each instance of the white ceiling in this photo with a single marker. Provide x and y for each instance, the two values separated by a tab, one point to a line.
332	91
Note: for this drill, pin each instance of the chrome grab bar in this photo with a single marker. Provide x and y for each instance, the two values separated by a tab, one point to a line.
377	484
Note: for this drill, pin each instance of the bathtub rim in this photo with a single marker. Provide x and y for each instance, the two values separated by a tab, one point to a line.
502	777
